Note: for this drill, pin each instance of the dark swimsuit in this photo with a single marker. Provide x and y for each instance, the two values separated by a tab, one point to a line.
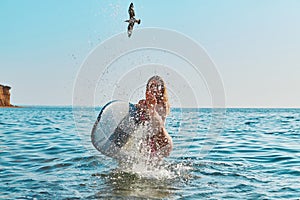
140	118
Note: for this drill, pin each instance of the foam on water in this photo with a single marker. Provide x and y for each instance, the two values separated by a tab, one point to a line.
138	160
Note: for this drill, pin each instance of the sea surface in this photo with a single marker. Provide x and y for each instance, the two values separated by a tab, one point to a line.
46	153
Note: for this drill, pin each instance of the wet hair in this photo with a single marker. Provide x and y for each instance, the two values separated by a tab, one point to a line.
164	98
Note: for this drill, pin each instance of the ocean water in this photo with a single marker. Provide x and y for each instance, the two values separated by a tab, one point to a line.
46	153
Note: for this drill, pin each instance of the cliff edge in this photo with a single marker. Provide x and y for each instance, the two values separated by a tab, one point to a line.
5	96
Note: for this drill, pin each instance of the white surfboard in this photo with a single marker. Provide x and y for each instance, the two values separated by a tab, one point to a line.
113	128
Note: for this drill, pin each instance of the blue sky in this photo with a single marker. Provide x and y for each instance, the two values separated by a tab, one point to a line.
254	44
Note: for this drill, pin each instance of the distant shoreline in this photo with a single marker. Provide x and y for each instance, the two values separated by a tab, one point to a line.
175	108
11	106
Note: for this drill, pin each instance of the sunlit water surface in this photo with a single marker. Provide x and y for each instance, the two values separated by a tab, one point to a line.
46	155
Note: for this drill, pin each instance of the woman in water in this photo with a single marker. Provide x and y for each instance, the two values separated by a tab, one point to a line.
152	113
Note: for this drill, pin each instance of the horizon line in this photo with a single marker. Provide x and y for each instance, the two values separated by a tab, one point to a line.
175	107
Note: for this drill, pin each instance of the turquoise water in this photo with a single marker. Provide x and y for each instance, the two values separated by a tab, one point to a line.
46	155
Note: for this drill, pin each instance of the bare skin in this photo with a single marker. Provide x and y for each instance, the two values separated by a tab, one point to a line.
153	112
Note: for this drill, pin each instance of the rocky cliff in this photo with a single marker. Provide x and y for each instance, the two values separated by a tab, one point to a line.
4	96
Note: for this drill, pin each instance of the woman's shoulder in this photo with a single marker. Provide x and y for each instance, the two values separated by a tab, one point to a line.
141	103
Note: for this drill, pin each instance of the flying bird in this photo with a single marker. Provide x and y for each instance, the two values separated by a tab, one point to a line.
131	20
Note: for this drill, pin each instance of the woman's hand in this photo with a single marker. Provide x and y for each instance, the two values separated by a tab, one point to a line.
150	101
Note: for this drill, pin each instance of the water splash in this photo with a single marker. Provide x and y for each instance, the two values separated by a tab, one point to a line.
139	161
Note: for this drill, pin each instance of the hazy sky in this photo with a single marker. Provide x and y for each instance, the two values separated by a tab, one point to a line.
255	44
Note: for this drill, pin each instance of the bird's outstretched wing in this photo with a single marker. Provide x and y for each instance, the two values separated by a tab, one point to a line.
131	11
129	29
